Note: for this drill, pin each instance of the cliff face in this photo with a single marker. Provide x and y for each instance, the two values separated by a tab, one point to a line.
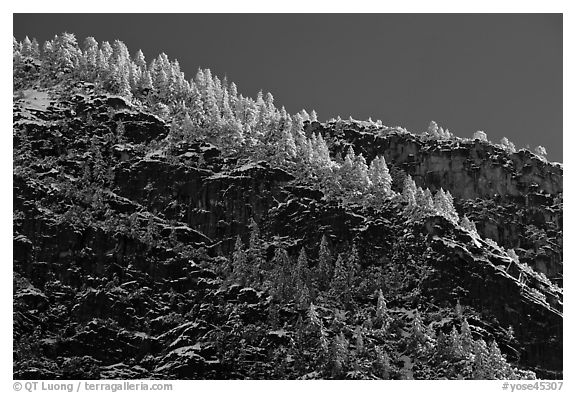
514	199
122	252
468	169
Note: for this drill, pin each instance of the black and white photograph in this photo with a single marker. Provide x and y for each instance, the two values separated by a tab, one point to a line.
288	196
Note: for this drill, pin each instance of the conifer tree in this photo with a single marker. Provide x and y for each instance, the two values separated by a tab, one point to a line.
380	180
324	264
507	145
339	355
481	366
480	135
382	363
140	61
468	225
242	271
256	247
541	152
444	205
466	338
282	278
433	129
359	335
497	364
302	272
318	328
409	196
382	316
313	116
339	285
424	202
90	59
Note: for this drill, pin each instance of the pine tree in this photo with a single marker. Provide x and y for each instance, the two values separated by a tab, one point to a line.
409	197
324	264
380	180
313	116
359	335
444	205
353	178
339	285
481	366
541	152
282	277
256	247
419	342
382	317
507	145
497	364
433	130
339	355
424	203
466	338
468	225
302	272
480	135
382	363
242	271
140	61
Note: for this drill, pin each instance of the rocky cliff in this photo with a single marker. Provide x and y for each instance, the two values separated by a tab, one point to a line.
122	254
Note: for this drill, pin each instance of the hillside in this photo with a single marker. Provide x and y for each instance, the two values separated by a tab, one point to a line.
182	231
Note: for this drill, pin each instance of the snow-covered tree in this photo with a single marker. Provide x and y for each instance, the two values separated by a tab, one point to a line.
324	264
444	205
541	152
380	181
468	225
409	195
507	145
313	116
480	135
243	273
433	129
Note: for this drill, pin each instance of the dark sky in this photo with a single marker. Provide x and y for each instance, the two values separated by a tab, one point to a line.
501	73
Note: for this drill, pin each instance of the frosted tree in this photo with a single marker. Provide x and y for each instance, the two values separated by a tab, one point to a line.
61	56
339	355
340	281
30	48
466	339
188	127
313	116
324	264
353	177
481	367
424	202
409	196
541	152
468	225
196	109
140	61
419	341
480	135
507	145
496	363
380	181
298	131
382	317
433	129
90	59
282	277
302	272
242	271
444	205
256	246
